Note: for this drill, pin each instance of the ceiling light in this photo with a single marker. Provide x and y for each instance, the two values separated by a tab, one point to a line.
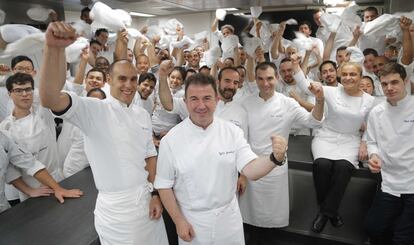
230	9
141	14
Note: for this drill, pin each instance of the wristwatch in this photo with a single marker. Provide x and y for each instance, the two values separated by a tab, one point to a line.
155	193
275	161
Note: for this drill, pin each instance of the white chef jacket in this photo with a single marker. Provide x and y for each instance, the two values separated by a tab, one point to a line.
390	134
147	104
285	88
76	158
339	137
230	111
204	178
117	140
163	120
266	201
12	153
343	38
249	88
36	133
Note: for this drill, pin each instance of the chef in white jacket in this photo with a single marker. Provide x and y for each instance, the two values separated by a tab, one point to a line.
266	201
118	144
33	128
390	134
13	154
198	186
337	146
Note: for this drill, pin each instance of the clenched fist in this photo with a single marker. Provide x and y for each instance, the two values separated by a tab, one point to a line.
279	147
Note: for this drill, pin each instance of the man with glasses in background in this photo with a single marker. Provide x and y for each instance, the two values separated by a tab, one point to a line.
21	64
33	127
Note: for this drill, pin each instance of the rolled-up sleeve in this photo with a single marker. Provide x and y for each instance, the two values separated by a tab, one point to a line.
165	177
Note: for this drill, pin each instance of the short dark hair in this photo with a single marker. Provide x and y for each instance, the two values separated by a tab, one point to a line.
241	67
286	59
393	68
305	22
97	70
96	90
341	48
333	63
370	79
93	41
147	76
181	70
371	9
220	74
85	9
100	30
189	70
19	79
200	79
264	66
369	51
19	59
204	67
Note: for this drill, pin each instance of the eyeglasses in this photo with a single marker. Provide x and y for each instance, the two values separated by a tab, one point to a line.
19	91
23	69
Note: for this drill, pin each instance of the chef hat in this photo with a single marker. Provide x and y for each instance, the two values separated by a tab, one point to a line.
212	55
2	16
170	27
291	21
356	55
229	43
29	44
153	31
74	50
302	41
330	21
221	14
114	20
385	23
350	18
180	44
38	13
82	28
256	11
13	32
250	45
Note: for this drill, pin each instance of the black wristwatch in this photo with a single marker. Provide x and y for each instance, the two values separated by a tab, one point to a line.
275	161
155	193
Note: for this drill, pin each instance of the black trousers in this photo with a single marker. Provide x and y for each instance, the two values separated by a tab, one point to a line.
331	178
391	219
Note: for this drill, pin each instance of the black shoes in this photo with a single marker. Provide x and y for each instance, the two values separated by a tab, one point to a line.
337	221
319	223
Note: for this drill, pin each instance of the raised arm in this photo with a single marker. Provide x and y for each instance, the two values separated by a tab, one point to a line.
408	49
356	34
329	46
261	166
121	46
214	25
166	98
250	69
80	74
277	40
59	35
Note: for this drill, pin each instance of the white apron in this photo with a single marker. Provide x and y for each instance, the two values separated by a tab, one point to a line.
220	226
339	137
269	191
123	218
